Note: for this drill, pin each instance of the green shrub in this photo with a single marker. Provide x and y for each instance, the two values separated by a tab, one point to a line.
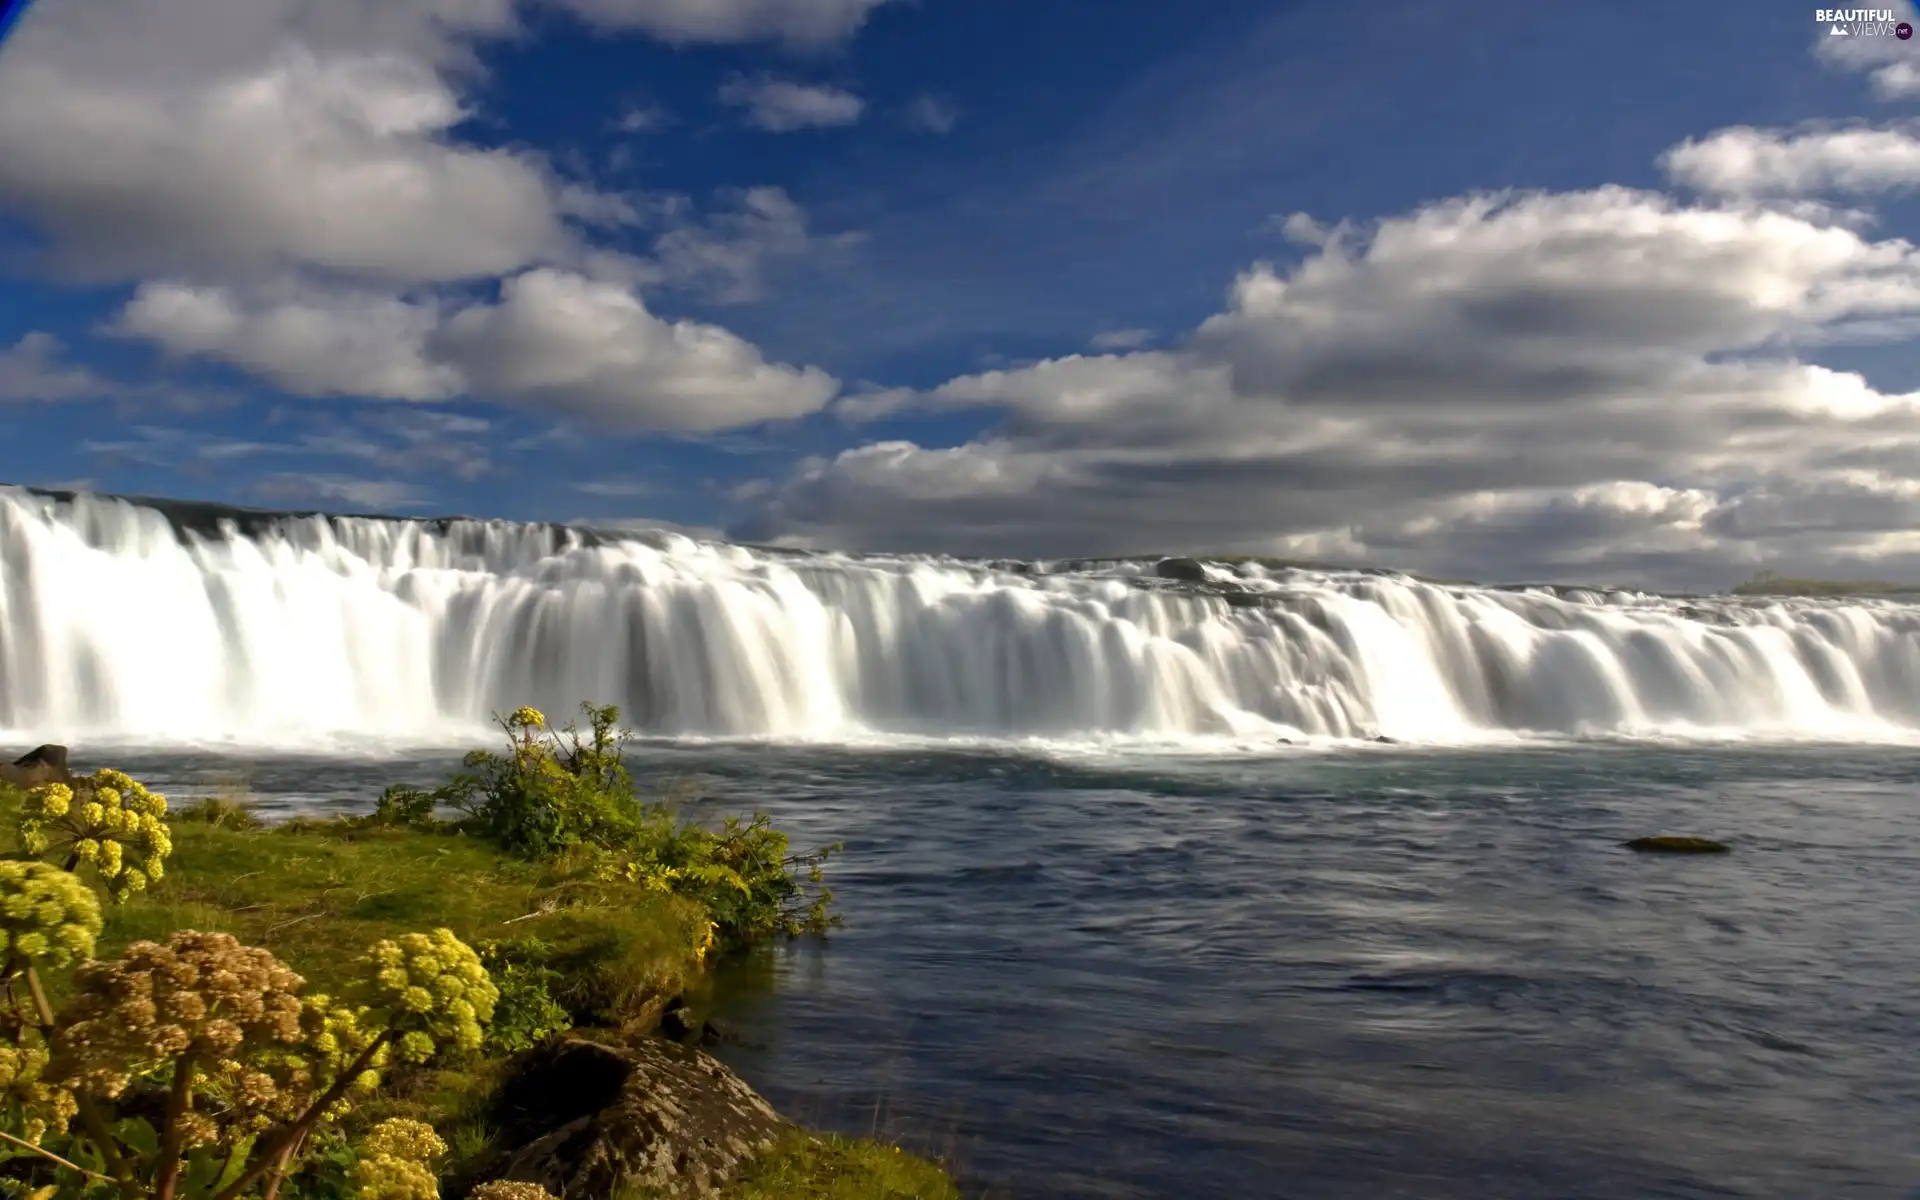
527	1013
223	812
566	795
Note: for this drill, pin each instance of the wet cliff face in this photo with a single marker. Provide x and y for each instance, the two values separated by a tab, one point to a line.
123	620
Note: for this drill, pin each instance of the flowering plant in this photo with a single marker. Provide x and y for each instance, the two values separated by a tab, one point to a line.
108	822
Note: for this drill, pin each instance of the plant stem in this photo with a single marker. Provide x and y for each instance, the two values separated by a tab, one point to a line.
40	1004
289	1137
109	1149
89	1114
50	1156
178	1097
278	1175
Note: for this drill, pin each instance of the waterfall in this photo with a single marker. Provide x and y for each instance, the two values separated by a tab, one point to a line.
127	620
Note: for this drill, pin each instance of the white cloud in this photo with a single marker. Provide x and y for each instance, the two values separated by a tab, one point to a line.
641	118
555	342
1531	385
802	23
565	343
931	114
306	341
1747	161
1887	62
781	106
341	161
727	253
33	370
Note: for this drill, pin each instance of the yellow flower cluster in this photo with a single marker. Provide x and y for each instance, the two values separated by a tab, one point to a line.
42	1106
337	1034
46	915
431	991
527	718
200	994
506	1189
396	1160
108	821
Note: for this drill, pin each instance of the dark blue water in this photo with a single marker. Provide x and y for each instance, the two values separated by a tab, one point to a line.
1376	974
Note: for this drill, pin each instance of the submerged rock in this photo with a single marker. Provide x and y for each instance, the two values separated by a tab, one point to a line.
591	1120
1187	570
42	764
1670	844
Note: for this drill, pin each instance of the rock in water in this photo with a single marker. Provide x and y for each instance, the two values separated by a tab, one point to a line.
1668	844
670	1121
42	764
1187	570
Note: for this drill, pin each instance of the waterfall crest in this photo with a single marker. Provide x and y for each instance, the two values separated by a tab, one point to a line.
118	620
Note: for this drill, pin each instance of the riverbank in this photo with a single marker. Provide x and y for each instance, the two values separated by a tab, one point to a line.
578	953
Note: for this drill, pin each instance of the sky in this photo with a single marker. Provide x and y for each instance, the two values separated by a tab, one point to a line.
1502	291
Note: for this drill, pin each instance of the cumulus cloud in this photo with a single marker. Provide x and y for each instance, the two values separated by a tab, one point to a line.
340	160
34	369
1748	161
555	341
1510	385
566	343
307	341
288	187
782	106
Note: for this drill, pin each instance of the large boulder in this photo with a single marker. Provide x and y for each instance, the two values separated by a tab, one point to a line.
42	764
585	1119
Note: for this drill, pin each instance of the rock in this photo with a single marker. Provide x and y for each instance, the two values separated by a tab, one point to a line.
677	1021
1668	844
1384	740
590	1120
42	764
714	1033
1187	570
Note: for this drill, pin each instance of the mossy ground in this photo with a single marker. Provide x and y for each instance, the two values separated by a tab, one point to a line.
804	1167
317	894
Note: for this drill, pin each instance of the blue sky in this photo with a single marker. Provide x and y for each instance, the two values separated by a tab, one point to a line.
983	277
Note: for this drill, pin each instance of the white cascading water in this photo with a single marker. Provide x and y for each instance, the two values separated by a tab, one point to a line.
116	624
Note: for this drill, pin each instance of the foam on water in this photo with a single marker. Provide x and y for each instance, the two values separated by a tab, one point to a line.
119	622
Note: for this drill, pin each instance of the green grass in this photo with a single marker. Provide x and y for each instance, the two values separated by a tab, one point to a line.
318	893
805	1167
1770	586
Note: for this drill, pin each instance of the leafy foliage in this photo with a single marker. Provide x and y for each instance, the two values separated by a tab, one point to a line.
527	1012
567	794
